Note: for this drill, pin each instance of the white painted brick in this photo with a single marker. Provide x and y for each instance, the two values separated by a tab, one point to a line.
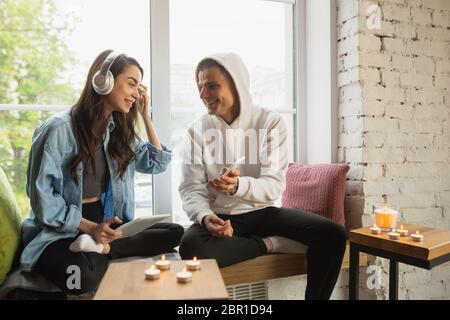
396	110
442	66
351	60
412	200
350	109
346	10
432	291
428	96
375	108
373	171
446	99
424	64
414	3
348	28
407	169
436	49
398	140
348	76
369	42
390	79
385	94
395	13
421	214
419	185
442	81
402	63
421	16
387	28
369	75
354	155
422	140
425	155
375	139
415	47
441	18
431	112
422	126
405	31
381	186
437	4
394	44
351	139
369	59
384	155
384	125
416	80
351	92
347	45
436	33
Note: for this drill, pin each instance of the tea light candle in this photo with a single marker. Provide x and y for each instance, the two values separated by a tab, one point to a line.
394	235
184	276
375	230
417	237
403	232
152	273
193	265
163	264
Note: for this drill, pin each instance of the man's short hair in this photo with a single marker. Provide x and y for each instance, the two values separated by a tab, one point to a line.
208	63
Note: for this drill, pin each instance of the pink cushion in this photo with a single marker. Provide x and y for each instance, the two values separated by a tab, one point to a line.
317	188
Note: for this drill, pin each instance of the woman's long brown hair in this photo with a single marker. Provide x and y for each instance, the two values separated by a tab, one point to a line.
89	121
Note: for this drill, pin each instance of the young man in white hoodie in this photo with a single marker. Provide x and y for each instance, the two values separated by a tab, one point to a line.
234	217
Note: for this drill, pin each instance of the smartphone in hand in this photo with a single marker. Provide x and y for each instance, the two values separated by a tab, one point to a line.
233	166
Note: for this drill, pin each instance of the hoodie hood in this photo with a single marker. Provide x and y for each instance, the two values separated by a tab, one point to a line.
239	73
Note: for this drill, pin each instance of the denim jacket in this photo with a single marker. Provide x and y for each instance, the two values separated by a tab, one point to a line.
55	197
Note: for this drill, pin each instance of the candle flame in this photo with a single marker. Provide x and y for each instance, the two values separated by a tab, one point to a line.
195	259
163	257
385	207
152	267
184	269
401	227
417	232
374	225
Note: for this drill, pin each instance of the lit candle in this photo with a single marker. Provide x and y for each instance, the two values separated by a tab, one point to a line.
417	237
163	264
193	265
152	273
403	232
394	235
184	276
386	218
375	229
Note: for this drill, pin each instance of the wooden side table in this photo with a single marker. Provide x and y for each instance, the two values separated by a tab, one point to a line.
433	251
126	281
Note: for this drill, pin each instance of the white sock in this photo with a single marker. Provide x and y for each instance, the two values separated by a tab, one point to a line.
85	243
285	245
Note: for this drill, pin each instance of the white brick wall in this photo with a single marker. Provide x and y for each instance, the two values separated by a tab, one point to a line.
394	130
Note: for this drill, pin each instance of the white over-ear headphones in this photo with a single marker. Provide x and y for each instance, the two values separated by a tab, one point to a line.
103	80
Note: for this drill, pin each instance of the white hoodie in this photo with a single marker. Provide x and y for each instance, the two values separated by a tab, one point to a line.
258	134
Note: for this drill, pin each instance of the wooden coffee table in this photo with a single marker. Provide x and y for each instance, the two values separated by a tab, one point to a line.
126	281
433	251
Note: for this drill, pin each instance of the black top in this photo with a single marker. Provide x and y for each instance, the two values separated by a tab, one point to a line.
95	184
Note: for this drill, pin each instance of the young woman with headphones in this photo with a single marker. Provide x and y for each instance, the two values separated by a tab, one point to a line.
80	180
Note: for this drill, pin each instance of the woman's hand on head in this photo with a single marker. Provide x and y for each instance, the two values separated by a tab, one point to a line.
143	101
102	233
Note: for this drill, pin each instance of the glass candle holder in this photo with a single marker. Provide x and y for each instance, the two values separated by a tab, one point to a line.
385	217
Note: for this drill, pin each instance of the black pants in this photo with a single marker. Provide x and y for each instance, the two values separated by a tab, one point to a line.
56	260
324	238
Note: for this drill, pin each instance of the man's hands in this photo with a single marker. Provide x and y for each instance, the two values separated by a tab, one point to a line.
102	233
227	184
217	227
